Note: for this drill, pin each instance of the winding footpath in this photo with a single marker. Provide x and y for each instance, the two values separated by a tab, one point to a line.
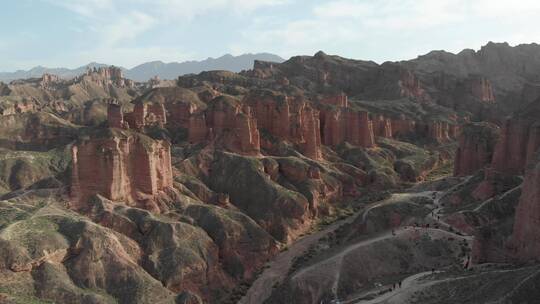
412	282
277	270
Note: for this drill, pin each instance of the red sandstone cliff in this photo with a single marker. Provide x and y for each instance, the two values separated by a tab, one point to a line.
287	118
481	88
232	126
476	146
115	116
105	76
403	126
519	140
146	114
526	234
382	127
121	166
410	86
340	125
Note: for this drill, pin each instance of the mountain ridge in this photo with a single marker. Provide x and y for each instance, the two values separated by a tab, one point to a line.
144	71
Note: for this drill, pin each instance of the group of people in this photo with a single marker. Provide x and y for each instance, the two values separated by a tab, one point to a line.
396	285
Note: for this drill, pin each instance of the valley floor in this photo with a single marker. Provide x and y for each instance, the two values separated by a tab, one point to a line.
323	276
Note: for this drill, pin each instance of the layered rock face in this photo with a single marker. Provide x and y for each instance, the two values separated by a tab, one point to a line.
106	76
288	118
121	166
340	125
526	234
48	81
382	126
410	86
340	100
146	114
481	88
180	103
115	116
439	131
476	147
520	139
402	126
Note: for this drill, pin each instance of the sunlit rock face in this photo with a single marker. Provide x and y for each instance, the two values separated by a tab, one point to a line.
341	125
293	119
121	166
105	76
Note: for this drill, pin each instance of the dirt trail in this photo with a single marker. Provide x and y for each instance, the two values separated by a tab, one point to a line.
411	282
279	267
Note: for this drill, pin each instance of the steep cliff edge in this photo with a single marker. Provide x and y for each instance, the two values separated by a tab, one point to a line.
526	234
122	166
293	119
476	146
520	139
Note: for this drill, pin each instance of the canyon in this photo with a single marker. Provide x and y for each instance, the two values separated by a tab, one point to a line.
278	184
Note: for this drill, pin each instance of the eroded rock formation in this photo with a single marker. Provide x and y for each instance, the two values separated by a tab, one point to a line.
411	87
339	125
476	146
519	141
382	126
288	118
121	166
526	234
106	76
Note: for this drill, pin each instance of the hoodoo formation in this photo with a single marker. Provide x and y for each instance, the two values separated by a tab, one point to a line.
283	183
121	166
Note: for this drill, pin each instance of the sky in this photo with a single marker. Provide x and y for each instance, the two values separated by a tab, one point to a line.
72	33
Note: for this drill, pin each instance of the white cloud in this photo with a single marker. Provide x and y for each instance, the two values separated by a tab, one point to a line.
113	23
126	27
87	8
403	28
116	31
391	14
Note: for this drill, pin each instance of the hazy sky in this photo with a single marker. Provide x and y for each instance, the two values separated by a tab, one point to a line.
71	33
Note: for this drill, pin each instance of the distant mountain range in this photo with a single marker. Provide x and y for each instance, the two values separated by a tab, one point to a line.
145	71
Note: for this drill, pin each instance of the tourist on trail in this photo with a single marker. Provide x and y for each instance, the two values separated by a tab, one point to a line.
399	284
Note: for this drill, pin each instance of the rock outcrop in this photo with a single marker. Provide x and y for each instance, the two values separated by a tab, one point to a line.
339	125
121	166
411	87
526	233
287	118
481	88
115	116
382	126
520	139
232	126
49	81
476	147
403	126
105	76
